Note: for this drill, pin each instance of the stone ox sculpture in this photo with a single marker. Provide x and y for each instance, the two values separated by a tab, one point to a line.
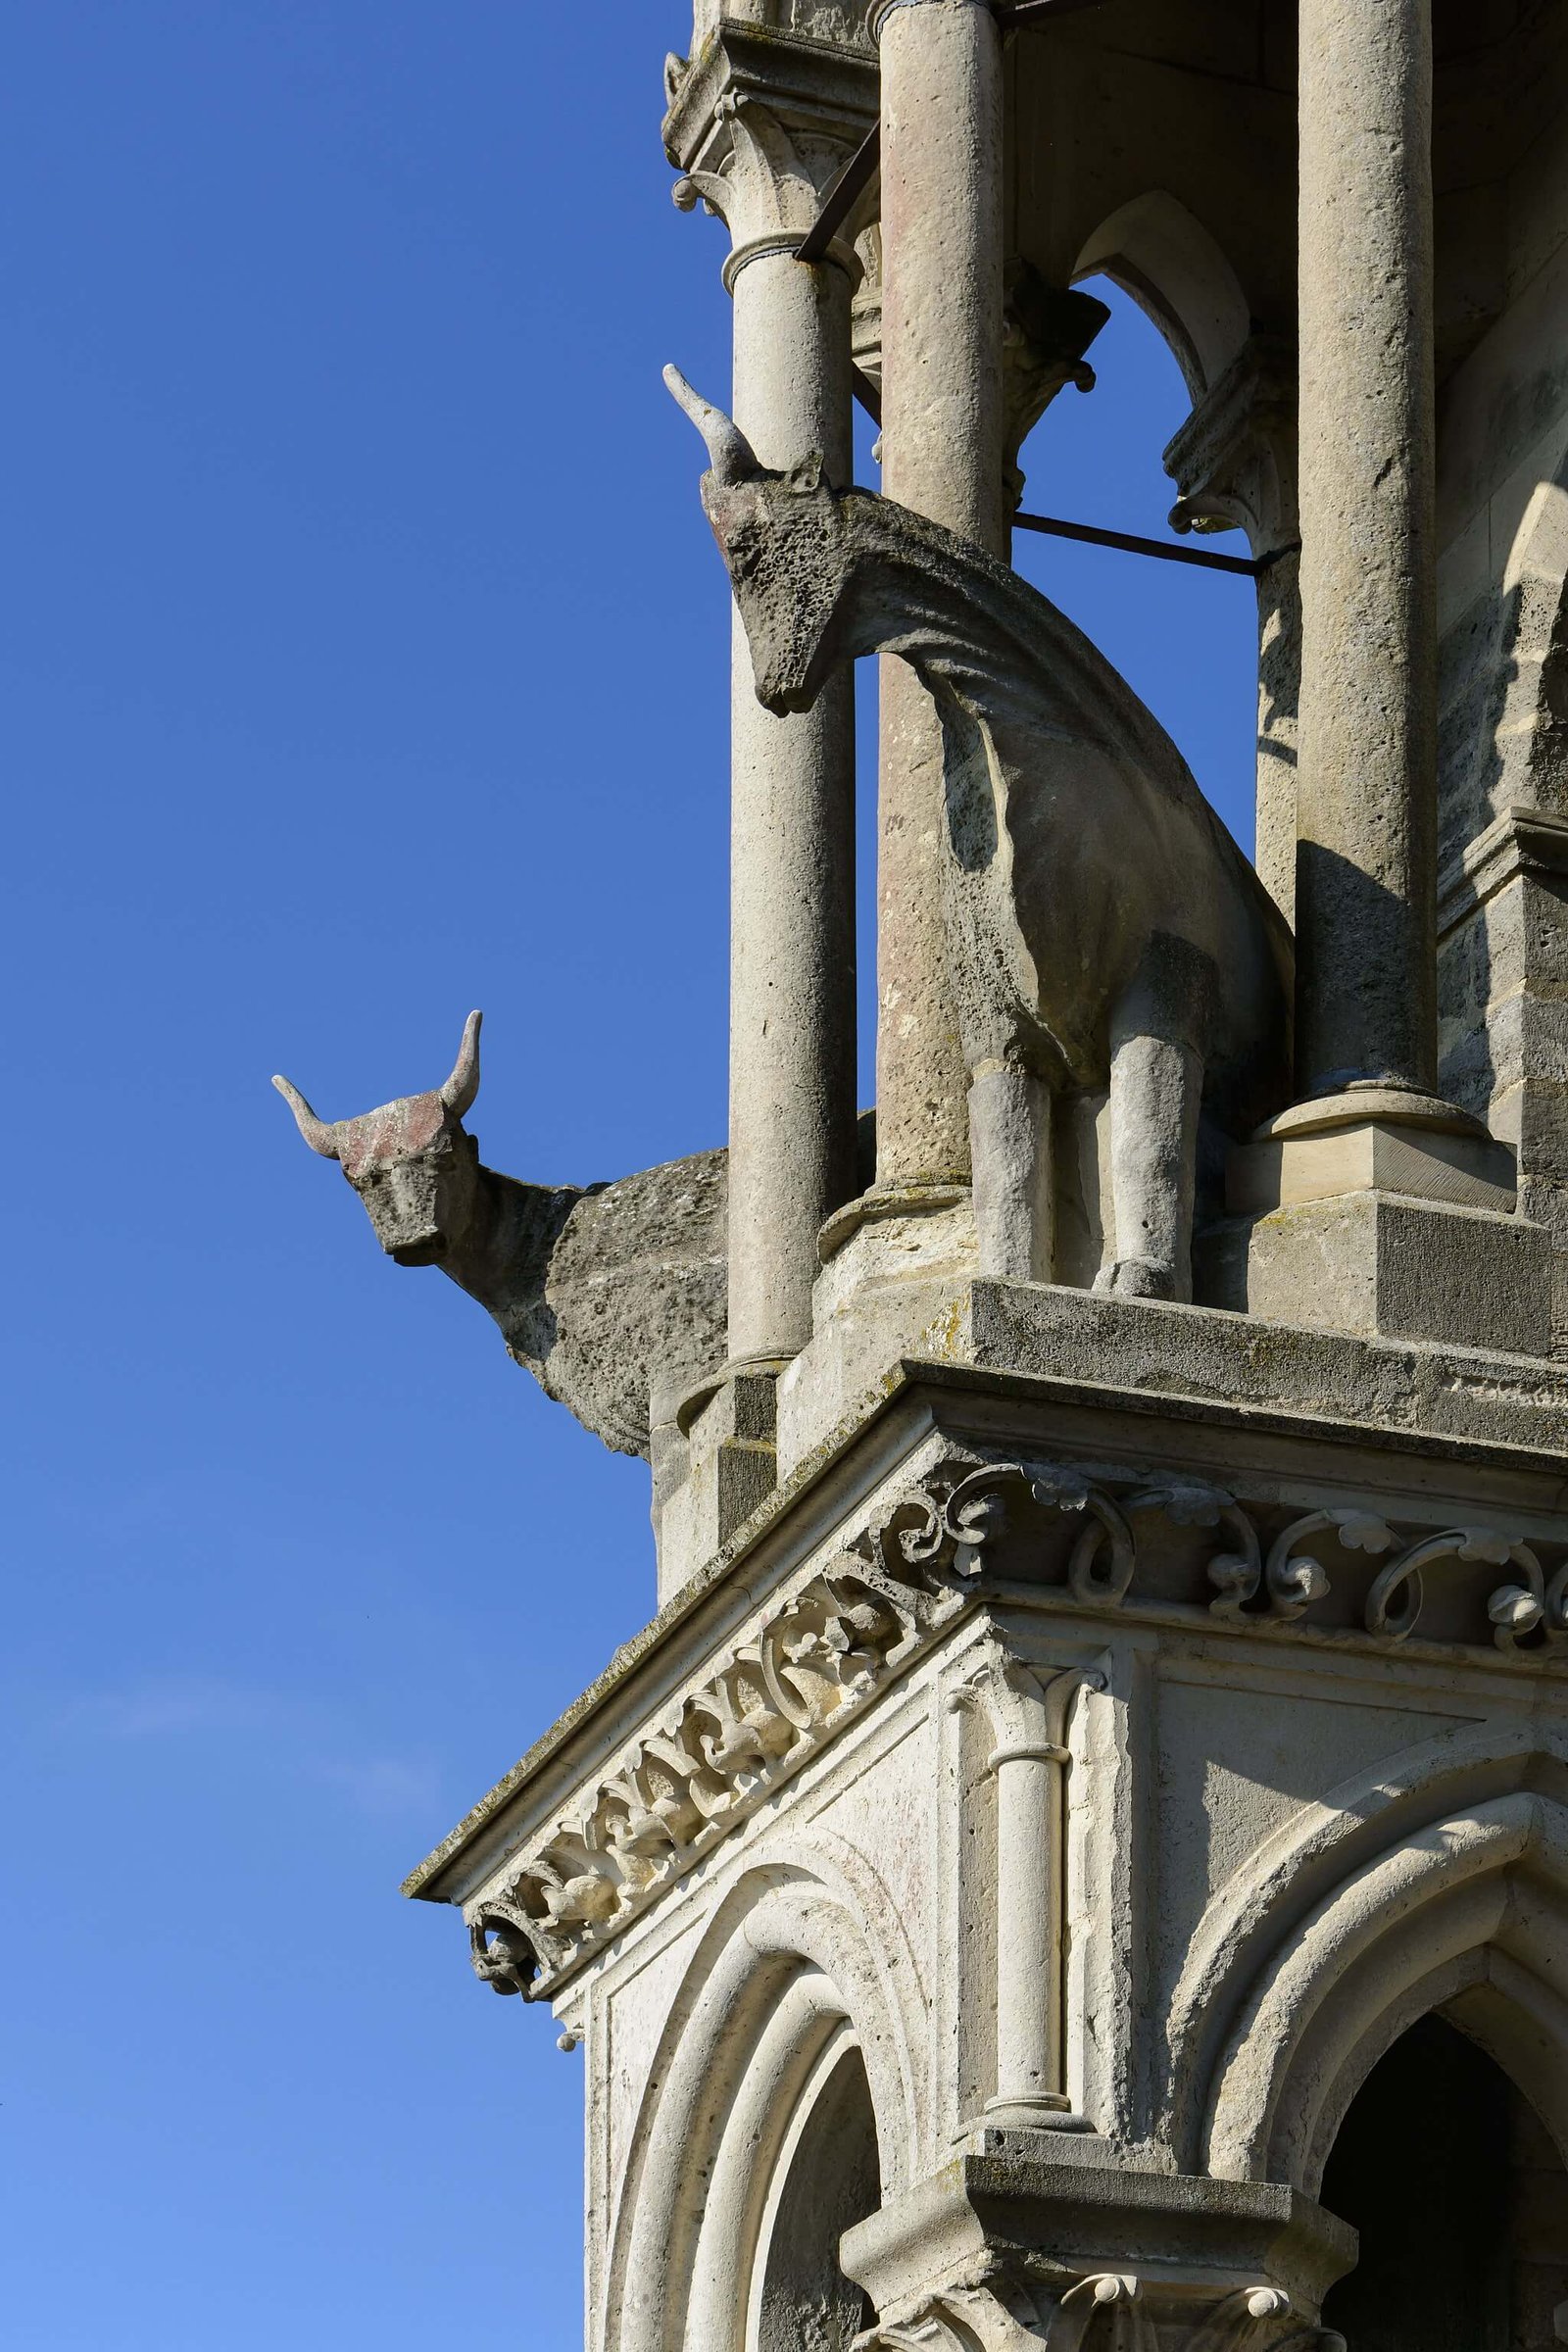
610	1294
1102	927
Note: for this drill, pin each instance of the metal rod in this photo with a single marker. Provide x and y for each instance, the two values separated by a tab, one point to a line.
1248	566
841	195
1036	11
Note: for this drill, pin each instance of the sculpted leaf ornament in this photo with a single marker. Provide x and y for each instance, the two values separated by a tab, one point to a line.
1393	1604
1100	1564
1235	1575
1295	1583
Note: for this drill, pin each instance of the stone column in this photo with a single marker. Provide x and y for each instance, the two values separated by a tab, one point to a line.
759	121
760	149
942	453
1374	1207
1027	1710
1234	463
1366	855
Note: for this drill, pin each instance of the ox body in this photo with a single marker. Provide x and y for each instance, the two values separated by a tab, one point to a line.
610	1294
1103	929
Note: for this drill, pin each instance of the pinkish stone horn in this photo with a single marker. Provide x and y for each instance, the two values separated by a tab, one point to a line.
733	457
316	1133
464	1083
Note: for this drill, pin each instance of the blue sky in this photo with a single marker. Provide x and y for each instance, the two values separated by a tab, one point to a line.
363	660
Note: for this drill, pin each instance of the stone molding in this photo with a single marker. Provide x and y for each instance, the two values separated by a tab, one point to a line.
1006	2250
757	126
776	1699
1527	844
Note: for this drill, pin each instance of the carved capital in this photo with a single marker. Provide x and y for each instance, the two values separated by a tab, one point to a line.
1045	331
1234	460
1027	1706
758	126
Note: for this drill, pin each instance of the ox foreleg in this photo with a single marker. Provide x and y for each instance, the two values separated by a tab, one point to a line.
1009	1144
1158	1034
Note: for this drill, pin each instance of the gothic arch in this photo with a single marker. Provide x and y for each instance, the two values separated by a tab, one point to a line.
789	1977
1442	1883
1167	260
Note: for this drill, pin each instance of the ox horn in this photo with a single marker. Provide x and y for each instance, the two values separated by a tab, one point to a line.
734	458
316	1133
464	1083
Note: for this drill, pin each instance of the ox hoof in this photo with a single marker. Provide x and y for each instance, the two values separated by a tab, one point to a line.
1138	1278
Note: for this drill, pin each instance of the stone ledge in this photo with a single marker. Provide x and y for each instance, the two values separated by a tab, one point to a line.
1026	1364
1035	2221
1240	1361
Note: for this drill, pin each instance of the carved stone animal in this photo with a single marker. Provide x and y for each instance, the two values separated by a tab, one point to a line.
610	1294
1102	927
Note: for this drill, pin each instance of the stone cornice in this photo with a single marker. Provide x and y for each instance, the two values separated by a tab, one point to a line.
1521	842
894	1424
1090	1541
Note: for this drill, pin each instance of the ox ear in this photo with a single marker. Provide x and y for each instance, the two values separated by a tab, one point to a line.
461	1088
316	1133
806	476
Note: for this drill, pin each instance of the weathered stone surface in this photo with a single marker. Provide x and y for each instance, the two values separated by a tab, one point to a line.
611	1294
1366	874
759	128
1102	925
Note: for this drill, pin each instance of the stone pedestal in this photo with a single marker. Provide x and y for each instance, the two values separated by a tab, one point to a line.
729	1466
1383	1212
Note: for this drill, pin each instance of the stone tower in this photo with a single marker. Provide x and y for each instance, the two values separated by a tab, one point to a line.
1080	1854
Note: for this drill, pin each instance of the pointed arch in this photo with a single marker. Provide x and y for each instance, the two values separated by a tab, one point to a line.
1175	270
1441	1884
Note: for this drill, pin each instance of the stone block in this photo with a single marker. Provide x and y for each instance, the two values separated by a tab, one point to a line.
1378	1264
732	1467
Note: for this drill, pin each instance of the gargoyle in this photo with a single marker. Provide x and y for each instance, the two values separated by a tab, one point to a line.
1102	927
611	1294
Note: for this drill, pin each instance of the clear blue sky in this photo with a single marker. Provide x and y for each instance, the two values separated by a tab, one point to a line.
363	660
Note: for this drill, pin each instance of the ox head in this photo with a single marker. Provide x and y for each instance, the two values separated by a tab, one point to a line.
787	550
412	1162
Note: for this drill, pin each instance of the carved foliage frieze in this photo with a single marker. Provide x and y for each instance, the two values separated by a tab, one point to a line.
1103	2310
754	1718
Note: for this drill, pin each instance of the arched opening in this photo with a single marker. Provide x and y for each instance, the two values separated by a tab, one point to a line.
830	2178
1462	2201
1186	640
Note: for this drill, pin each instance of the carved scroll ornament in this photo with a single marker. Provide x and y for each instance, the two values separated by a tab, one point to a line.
774	1701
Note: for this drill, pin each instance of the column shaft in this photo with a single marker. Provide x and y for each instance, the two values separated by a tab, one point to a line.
1366	850
792	854
1028	1935
943	439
